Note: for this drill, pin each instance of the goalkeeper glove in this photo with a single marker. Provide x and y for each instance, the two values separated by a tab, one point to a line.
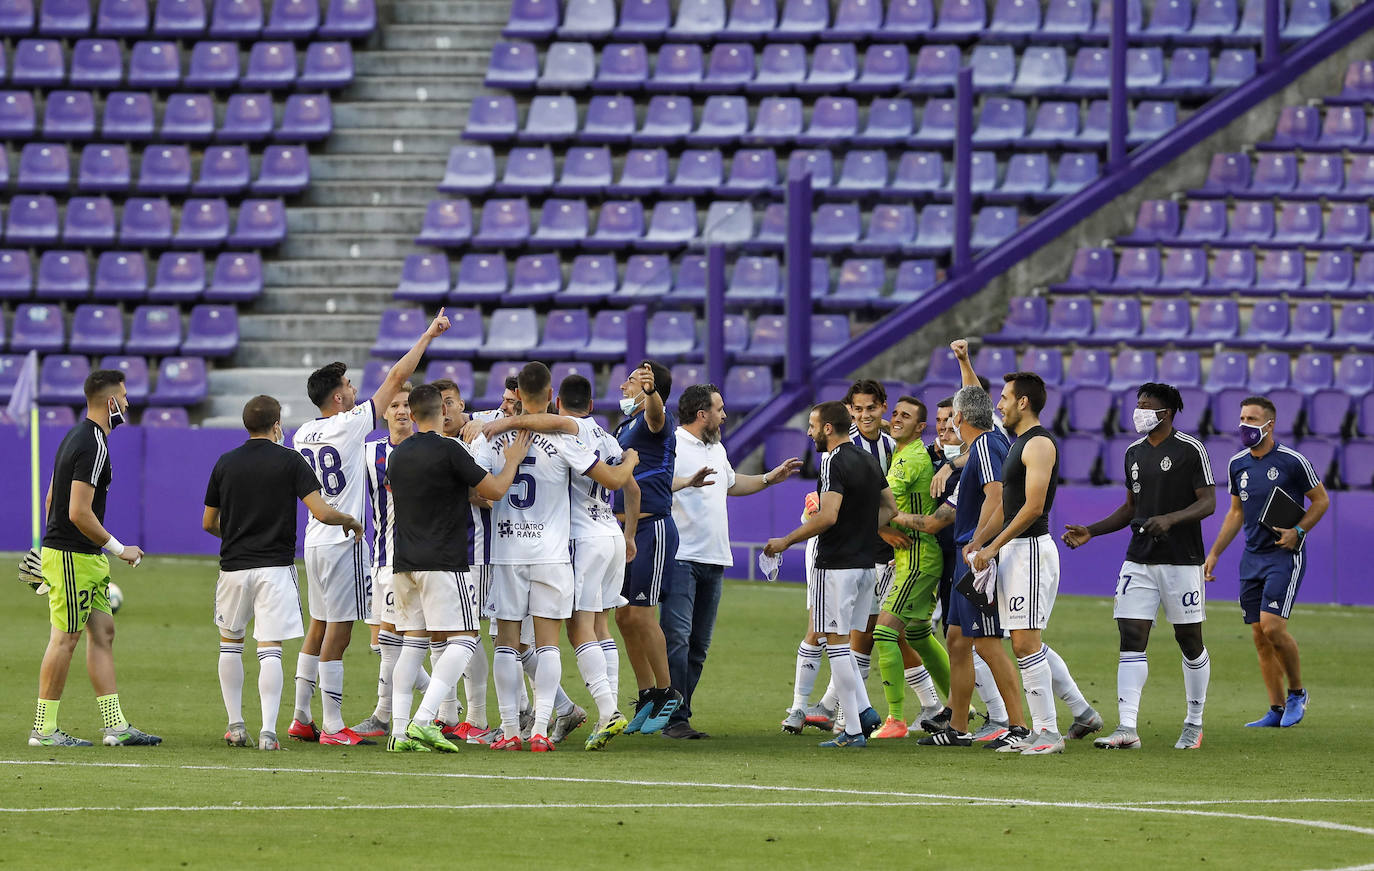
31	572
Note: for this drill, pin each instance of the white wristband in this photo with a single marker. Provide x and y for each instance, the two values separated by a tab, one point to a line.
114	547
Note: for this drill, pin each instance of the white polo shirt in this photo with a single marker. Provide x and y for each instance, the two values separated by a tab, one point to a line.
699	512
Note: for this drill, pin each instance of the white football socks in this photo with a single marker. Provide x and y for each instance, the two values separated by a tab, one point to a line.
1039	685
442	681
547	674
510	682
475	686
269	686
331	695
391	644
591	663
413	650
844	674
923	685
808	668
1131	671
448	707
1064	685
307	672
1197	673
231	678
612	654
986	685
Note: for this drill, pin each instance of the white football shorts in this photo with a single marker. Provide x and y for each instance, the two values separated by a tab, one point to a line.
539	590
1027	582
436	601
1141	589
598	572
267	596
841	600
338	579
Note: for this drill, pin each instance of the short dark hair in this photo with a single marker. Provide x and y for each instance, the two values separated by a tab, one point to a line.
836	414
1263	402
426	401
867	386
324	381
100	381
694	399
259	413
985	383
1166	395
534	378
920	406
442	384
947	402
512	383
1027	386
575	393
663	380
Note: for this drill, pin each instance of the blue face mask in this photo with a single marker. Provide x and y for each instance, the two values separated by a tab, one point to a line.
1251	435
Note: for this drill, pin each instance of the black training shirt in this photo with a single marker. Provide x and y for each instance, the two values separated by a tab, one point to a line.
857	476
1014	484
1165	479
84	455
255	487
430	476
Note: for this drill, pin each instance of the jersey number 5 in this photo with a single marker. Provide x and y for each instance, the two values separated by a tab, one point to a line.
525	481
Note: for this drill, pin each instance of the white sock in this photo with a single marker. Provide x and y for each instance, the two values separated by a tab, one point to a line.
845	675
808	667
331	695
475	686
562	703
391	645
831	700
612	665
505	670
1039	684
864	662
421	678
377	648
307	672
1197	673
231	678
269	686
548	672
527	666
448	706
923	685
591	662
1131	671
987	690
1064	685
413	652
444	678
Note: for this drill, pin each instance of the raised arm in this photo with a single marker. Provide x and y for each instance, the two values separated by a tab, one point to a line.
654	416
405	367
701	478
960	349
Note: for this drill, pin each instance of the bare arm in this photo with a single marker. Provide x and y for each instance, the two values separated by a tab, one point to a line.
960	349
1230	526
538	422
1077	536
617	476
632	497
47	500
747	485
80	513
701	478
887	507
653	412
494	487
927	523
320	510
1317	503
1039	459
405	367
990	518
210	522
823	519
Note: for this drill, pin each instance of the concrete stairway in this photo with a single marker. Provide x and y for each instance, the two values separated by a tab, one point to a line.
347	236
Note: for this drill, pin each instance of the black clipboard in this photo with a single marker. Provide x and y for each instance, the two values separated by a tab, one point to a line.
964	586
1281	512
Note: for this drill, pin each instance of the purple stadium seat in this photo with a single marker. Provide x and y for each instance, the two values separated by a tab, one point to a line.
647	276
1281	270
17	117
1268	323
120	275
1130	369
992	225
96	64
755	282
885	68
60	379
1229	172
1027	317
38	63
37	327
514	66
833	67
237	278
890	228
247	118
857	286
213	65
536	278
724	120
914	279
698	20
1230	369
1204	221
292	19
1000	122
481	278
642	19
213	331
935	229
1181	368
588	19
511	332
889	122
285	169
204	224
624	67
155	331
1355	326
165	418
991	358
1088	408
236	19
1313	372
63	275
528	170
1088	367
1080	454
260	224
1118	320
778	121
69	115
644	170
447	224
918	172
591	280
1168	319
679	68
1346	224
768	342
179	18
16	279
1091	72
396	331
960	19
1027	175
188	118
43	166
165	169
180	381
1015	20
607	341
424	278
620	224
155	64
671	335
835	226
832	119
471	169
223	170
128	116
817	162
803	19
699	172
748	386
1274	173
505	224
104	167
135	371
1312	324
1214	19
752	171
349	19
864	173
994	67
857	19
307	118
1256	222
180	277
272	65
147	223
672	225
749	19
492	118
1055	122
1216	321
668	119
609	119
16	18
457	371
562	224
1092	268
463	337
772	230
1359	83
32	220
1156	220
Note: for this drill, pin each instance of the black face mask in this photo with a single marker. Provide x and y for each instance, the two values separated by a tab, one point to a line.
116	414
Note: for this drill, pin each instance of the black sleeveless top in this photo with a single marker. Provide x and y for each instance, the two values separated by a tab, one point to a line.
1014	483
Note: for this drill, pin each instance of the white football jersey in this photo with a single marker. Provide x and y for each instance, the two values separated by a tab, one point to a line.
591	503
378	453
486	416
479	526
532	521
334	448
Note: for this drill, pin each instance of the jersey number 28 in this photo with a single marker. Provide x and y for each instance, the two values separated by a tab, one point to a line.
329	469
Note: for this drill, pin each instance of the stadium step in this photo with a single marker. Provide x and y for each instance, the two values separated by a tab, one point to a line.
450	12
421	63
307	327
403	115
346	193
348	246
364	168
420	88
436	37
310	355
304	273
317	301
280	383
357	219
392	141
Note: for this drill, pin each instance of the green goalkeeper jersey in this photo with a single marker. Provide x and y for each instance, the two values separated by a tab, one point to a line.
909	477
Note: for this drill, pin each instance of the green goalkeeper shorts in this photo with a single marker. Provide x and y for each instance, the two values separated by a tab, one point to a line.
79	583
912	598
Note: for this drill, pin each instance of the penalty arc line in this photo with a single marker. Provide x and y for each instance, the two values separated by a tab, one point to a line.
923	797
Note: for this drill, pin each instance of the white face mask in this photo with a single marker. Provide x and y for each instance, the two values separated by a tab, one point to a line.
956	431
628	405
116	413
952	451
280	437
1146	420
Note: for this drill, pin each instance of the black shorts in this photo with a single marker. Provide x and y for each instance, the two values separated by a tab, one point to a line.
655	557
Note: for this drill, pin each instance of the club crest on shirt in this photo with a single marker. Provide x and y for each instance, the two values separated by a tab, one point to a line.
1166	464
1273	473
1244	480
1135	473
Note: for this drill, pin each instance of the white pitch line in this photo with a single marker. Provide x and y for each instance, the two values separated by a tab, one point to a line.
1228	801
1369	867
462	807
923	796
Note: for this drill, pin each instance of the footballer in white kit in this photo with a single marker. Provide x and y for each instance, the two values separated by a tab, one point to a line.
598	541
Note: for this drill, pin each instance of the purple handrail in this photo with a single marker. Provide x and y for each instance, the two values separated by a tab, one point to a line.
963	170
796	366
1120	105
715	314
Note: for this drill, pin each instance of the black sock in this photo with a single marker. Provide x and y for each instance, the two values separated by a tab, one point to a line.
1295	692
1278	709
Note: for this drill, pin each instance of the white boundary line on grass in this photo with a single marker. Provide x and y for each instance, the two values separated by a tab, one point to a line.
921	798
673	805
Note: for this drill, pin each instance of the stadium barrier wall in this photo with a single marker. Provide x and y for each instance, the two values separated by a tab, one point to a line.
157	499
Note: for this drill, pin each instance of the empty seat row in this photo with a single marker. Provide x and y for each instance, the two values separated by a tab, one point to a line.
758	20
130	116
163	169
145	222
97	63
156	330
181	19
177	277
1253	222
569	334
1312	128
674	224
880	69
588	170
1119	319
1290	175
596	279
181	381
1138	269
64	416
672	119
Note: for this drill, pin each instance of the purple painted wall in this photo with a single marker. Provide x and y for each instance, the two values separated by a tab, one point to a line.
158	496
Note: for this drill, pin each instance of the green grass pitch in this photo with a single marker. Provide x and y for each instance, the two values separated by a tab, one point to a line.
748	797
